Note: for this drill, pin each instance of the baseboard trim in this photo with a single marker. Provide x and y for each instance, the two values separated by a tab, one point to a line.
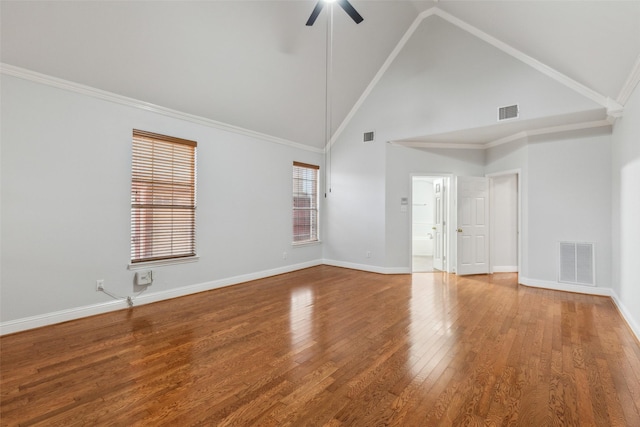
565	287
591	290
52	318
626	315
367	267
505	269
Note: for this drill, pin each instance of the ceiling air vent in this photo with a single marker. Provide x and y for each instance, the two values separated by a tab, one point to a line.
509	112
368	136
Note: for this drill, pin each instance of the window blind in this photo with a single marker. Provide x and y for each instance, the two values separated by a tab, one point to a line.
305	202
163	197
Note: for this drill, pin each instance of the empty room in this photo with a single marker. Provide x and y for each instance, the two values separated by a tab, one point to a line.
320	213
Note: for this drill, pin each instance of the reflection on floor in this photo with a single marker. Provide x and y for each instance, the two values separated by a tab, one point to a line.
422	264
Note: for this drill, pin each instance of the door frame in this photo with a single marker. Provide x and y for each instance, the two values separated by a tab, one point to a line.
518	174
449	245
471	189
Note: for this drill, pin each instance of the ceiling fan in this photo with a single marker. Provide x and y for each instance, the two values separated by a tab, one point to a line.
344	4
351	11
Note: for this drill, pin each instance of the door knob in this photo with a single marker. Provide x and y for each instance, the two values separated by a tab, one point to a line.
433	228
459	230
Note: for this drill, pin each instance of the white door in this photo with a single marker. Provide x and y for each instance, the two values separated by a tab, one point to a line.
473	225
438	226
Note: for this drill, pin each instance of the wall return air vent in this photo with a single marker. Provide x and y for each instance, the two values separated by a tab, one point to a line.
577	263
508	112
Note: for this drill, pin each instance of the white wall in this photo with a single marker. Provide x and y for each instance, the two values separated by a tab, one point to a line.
66	174
626	210
445	79
504	223
565	190
354	215
569	192
66	160
404	162
431	87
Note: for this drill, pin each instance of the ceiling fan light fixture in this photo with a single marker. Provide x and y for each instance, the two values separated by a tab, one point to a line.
344	4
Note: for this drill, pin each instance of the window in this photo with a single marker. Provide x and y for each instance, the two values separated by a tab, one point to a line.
163	197
305	202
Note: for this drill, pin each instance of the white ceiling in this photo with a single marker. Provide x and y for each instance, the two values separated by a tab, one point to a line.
255	65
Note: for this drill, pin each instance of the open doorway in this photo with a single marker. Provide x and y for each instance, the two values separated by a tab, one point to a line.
428	225
505	222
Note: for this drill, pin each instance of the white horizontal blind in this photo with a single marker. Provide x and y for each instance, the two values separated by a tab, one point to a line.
163	197
305	202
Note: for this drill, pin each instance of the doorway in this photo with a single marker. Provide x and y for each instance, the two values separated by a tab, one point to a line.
428	225
488	223
504	195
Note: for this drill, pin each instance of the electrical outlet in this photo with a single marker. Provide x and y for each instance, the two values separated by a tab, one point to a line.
284	255
368	254
99	285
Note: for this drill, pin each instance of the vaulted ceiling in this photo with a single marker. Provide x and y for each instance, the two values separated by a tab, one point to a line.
255	65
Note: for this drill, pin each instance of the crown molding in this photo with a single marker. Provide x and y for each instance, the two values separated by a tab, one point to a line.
443	145
383	69
630	84
22	73
548	131
509	138
532	62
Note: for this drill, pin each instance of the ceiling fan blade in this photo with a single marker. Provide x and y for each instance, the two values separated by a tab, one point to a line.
350	11
315	13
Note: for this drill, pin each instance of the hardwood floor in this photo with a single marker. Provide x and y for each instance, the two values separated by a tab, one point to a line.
330	346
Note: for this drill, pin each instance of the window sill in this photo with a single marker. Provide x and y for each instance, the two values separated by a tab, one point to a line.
162	262
306	243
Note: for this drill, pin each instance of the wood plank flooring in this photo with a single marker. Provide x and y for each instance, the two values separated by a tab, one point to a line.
328	346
